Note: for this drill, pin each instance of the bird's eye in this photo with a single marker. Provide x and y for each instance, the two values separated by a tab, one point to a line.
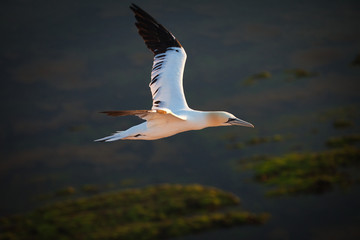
230	120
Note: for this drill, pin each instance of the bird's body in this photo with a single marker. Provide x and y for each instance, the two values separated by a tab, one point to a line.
164	123
170	113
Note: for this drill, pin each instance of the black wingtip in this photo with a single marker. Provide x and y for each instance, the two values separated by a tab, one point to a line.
156	37
133	7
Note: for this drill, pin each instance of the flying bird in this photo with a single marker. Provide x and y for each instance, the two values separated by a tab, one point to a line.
170	113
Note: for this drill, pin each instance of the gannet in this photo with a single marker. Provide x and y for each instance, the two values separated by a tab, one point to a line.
170	113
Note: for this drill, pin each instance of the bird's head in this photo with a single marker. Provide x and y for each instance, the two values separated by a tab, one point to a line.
219	118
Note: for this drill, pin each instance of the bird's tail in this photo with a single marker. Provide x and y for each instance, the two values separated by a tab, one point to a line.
114	137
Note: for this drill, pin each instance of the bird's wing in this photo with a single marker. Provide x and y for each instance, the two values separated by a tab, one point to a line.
147	115
169	61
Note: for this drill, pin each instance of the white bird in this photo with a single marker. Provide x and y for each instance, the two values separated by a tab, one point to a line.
170	113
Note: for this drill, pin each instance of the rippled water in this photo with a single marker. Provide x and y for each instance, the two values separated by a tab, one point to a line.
286	67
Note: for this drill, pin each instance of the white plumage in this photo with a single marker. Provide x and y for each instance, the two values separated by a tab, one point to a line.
170	113
168	69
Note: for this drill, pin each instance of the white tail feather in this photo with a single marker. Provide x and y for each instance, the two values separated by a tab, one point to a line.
114	137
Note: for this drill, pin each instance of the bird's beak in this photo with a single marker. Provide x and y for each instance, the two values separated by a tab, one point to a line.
239	122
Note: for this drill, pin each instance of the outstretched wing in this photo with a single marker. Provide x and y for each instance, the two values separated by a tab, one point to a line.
147	115
169	61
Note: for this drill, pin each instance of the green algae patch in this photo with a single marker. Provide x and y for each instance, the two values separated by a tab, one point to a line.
234	144
300	73
337	142
67	191
302	173
154	212
342	123
256	77
260	140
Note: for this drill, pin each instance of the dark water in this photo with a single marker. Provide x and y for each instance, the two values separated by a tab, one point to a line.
63	62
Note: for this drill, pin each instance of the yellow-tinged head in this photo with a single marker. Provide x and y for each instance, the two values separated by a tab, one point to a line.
219	118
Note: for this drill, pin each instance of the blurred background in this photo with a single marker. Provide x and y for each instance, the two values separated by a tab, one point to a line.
292	68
